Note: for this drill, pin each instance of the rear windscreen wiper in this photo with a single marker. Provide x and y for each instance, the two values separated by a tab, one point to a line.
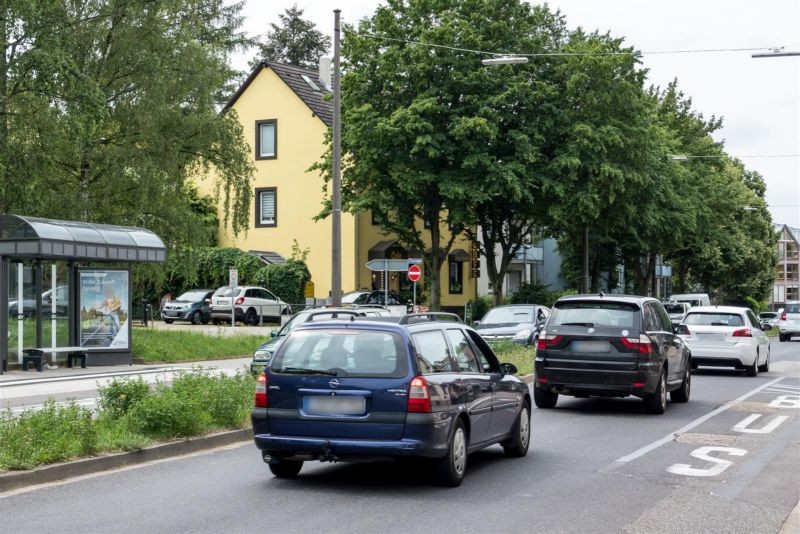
302	370
577	324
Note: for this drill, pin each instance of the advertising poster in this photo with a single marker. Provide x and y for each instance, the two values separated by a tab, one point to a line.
104	309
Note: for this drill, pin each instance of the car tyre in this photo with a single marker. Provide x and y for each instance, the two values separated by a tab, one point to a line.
250	317
656	402
781	338
197	317
544	399
517	445
285	468
765	368
451	468
206	319
753	369
682	393
168	321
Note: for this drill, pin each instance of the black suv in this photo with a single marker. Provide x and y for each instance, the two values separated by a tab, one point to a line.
611	346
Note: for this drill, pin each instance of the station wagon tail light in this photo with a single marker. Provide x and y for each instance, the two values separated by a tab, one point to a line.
742	332
546	341
261	391
783	316
240	301
641	344
419	398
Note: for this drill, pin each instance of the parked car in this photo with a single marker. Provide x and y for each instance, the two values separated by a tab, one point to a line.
29	303
419	387
611	346
265	351
676	311
355	297
789	322
770	318
519	323
692	299
393	303
251	304
193	306
726	336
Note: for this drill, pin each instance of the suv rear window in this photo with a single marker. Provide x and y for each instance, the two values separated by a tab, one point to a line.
713	319
225	292
345	352
792	308
576	313
674	308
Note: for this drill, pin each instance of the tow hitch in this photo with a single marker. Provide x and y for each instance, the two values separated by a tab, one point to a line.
327	455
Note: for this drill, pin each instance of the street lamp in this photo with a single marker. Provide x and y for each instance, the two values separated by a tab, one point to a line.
525	247
505	60
336	185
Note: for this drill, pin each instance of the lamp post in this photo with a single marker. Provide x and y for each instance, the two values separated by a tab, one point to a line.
525	247
336	195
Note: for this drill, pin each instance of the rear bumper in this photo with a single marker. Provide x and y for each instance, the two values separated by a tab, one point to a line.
738	355
598	382
225	313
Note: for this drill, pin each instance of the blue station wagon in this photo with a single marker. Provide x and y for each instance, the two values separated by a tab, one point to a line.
364	389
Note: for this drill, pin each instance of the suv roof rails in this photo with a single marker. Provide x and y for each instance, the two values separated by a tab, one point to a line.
333	313
430	316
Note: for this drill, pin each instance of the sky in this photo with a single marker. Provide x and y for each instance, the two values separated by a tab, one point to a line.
758	99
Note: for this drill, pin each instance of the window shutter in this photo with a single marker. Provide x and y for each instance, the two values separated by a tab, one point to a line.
268	207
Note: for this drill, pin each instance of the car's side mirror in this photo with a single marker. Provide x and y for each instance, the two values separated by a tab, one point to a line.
475	323
682	329
207	301
766	326
508	368
273	333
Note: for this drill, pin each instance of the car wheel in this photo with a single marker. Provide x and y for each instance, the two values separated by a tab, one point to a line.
781	338
544	399
205	319
285	468
753	369
197	317
517	445
656	402
765	368
168	321
682	393
450	469
250	317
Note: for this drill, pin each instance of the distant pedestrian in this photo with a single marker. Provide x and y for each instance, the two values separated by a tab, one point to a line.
166	298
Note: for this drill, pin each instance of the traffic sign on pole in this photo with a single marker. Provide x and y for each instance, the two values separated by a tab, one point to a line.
414	273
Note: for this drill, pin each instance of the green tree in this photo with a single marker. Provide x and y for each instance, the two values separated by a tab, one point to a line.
295	41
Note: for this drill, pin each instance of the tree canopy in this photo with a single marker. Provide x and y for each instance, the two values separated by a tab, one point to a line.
295	41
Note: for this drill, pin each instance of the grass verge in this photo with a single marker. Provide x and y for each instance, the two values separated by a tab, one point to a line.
131	416
172	347
520	356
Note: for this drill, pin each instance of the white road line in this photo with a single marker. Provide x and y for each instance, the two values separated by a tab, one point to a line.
781	389
672	435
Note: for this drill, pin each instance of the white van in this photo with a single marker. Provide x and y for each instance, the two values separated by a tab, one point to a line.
692	299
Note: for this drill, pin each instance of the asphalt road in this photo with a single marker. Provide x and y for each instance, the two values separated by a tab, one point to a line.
595	466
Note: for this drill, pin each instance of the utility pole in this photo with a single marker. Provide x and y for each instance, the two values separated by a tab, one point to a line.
336	221
586	283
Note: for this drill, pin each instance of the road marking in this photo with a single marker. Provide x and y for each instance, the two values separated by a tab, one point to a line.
786	401
85	403
700	420
766	429
702	453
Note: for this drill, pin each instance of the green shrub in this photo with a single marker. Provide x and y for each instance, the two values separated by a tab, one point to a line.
481	306
533	293
51	434
167	414
753	304
286	280
118	435
121	394
225	399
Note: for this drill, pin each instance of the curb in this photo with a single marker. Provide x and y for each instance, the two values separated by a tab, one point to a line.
792	523
51	473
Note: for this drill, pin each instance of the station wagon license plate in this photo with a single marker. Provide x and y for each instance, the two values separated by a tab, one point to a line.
591	346
334	405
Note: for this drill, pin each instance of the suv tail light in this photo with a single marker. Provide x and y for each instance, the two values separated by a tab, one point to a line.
261	391
783	316
419	398
546	341
742	332
642	344
240	301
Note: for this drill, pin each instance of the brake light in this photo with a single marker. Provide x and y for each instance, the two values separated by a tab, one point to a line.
783	316
261	391
742	332
419	398
240	301
545	341
641	344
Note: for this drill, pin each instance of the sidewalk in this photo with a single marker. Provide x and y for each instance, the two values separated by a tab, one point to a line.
215	330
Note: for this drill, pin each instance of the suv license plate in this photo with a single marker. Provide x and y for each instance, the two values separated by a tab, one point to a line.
591	346
334	405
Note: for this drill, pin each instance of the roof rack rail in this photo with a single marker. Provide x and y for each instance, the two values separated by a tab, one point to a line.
430	316
334	314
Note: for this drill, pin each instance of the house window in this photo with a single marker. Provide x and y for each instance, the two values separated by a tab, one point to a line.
266	207
456	277
267	139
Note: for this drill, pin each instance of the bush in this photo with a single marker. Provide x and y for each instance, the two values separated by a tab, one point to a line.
481	306
286	280
51	434
121	394
533	293
167	414
118	435
225	399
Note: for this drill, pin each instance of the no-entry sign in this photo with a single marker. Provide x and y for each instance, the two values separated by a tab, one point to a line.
414	273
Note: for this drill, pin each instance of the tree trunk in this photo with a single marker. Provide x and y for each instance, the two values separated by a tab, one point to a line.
436	263
683	270
596	273
651	273
5	197
585	271
84	186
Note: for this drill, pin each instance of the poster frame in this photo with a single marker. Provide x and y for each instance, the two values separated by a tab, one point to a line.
81	270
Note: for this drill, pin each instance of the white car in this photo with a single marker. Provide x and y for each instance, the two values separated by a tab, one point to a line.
355	297
726	336
789	322
251	305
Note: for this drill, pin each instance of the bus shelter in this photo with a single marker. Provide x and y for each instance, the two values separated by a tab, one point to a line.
68	284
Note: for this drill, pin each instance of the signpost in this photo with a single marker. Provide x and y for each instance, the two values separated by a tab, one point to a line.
414	274
233	281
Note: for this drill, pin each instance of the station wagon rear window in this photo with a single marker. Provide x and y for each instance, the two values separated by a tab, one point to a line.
714	319
792	308
594	314
342	352
674	308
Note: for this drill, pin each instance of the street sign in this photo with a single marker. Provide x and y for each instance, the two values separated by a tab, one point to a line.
415	261
233	277
387	265
308	290
414	273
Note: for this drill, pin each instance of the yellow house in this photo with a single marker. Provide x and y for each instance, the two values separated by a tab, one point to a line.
285	113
